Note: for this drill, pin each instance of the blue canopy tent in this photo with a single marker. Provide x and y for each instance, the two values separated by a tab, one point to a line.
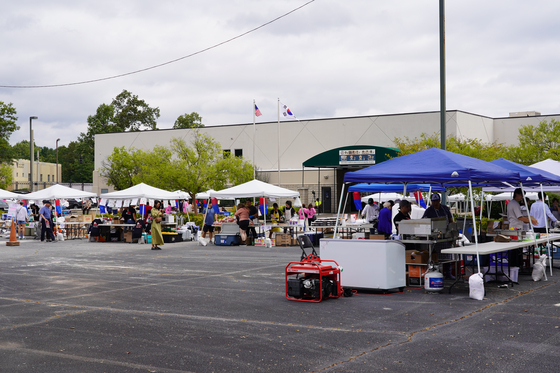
530	176
380	188
434	166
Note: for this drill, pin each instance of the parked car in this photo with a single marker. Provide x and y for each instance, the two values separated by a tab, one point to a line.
74	204
4	206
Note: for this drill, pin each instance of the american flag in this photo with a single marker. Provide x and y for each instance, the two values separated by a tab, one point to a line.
257	111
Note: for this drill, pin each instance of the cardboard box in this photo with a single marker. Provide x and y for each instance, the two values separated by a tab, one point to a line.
417	270
127	236
493	225
282	239
376	236
295	242
420	257
85	218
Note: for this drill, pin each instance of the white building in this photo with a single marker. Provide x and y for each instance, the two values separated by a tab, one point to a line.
300	141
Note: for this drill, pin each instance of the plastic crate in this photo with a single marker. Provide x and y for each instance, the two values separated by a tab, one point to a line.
226	239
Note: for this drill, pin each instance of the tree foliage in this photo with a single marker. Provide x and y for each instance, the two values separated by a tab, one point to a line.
537	143
192	120
194	168
471	147
6	175
125	113
8	125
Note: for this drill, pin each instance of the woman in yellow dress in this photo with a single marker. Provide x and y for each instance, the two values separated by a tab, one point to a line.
275	219
157	216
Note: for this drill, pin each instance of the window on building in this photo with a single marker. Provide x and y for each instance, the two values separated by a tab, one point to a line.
104	190
48	177
239	152
16	174
23	174
41	177
227	153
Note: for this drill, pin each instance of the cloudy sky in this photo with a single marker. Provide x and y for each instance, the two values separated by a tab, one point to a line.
330	58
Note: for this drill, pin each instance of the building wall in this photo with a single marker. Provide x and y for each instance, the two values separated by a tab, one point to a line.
42	172
298	141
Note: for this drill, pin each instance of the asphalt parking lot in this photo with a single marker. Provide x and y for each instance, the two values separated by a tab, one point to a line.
76	306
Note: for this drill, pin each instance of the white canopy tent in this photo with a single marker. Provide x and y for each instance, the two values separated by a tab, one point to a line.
141	191
5	194
182	194
254	188
206	195
56	191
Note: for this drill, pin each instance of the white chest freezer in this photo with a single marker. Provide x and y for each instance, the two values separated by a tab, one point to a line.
367	264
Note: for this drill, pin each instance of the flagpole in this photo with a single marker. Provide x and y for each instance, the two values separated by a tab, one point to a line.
278	135
254	134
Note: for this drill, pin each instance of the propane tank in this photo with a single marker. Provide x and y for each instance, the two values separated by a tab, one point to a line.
433	279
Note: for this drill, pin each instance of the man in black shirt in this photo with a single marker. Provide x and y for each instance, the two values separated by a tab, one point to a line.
437	210
404	213
253	214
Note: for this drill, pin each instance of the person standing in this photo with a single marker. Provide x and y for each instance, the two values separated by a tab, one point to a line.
311	213
514	214
318	205
403	214
289	211
45	215
22	217
542	213
385	227
370	211
157	216
437	210
275	219
242	215
209	221
253	214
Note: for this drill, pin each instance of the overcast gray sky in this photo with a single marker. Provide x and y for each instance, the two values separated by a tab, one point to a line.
328	59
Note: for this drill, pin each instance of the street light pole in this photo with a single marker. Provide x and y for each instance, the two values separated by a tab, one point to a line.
32	149
57	181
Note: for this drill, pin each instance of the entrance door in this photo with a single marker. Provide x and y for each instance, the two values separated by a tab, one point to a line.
326	200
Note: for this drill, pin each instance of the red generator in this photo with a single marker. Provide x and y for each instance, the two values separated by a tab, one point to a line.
312	279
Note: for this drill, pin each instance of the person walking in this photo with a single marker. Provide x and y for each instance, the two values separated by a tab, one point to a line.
45	215
157	216
22	217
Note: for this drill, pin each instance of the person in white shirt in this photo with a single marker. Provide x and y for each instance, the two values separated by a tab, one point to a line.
370	211
22	216
514	213
541	211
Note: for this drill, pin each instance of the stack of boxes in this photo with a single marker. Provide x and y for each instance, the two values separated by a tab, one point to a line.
417	265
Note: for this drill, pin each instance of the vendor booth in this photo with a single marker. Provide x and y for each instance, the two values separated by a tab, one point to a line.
432	166
254	188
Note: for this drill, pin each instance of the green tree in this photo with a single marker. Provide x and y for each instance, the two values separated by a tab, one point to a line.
6	175
471	147
192	120
8	125
537	143
125	113
194	168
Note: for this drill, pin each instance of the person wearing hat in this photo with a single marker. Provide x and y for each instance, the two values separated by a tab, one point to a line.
370	211
437	210
515	216
45	215
404	213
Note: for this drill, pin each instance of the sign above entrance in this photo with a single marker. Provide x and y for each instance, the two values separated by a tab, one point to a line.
356	156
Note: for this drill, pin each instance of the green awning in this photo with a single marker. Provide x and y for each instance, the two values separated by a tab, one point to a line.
351	156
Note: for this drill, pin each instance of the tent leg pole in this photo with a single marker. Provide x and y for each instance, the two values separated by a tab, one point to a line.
338	212
474	226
